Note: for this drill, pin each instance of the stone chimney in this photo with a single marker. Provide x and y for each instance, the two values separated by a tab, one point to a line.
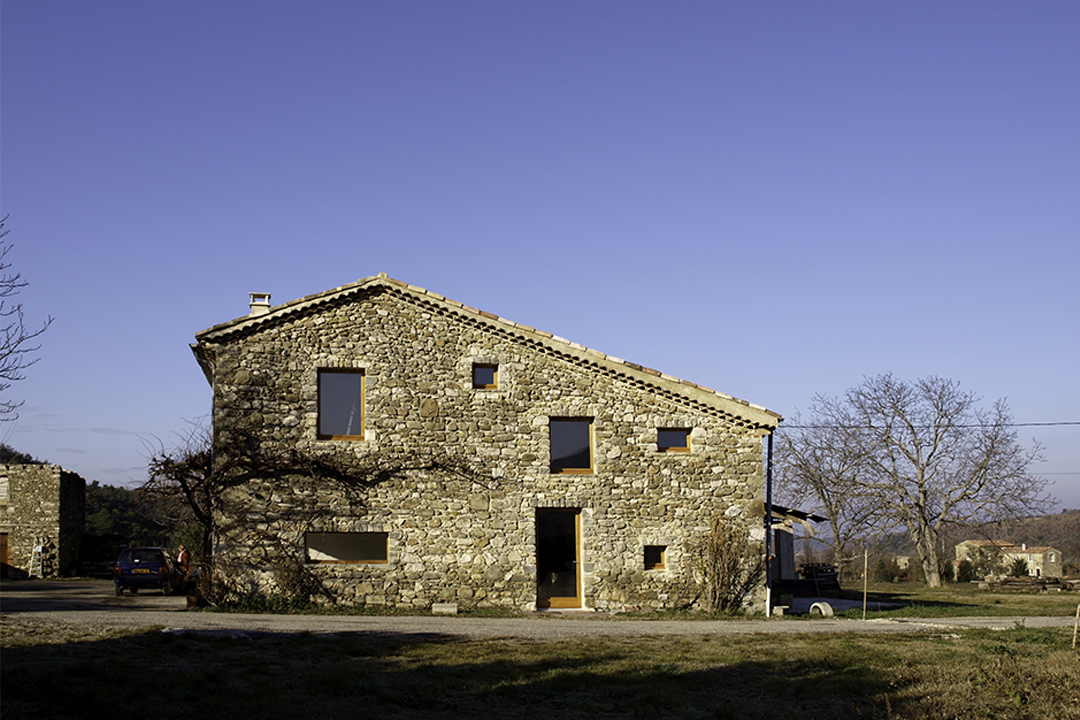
259	303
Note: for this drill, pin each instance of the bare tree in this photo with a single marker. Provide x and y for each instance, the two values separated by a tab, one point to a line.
16	340
187	487
931	456
817	470
181	486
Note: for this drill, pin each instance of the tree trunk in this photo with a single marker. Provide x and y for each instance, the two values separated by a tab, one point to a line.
926	545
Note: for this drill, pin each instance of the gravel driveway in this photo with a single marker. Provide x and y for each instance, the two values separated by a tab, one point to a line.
93	603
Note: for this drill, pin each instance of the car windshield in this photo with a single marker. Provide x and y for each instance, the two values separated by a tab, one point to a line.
139	555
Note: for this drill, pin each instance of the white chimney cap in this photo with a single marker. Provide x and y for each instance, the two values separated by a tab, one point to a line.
258	303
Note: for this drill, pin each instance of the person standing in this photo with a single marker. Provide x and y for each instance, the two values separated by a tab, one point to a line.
183	559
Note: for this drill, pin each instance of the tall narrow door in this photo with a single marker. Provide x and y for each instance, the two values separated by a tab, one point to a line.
558	549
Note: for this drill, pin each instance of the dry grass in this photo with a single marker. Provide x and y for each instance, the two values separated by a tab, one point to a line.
69	672
963	600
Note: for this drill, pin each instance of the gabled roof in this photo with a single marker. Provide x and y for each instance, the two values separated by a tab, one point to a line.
754	415
1007	546
988	543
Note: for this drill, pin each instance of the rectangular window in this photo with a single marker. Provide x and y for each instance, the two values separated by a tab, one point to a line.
673	440
363	547
341	404
485	376
655	556
571	445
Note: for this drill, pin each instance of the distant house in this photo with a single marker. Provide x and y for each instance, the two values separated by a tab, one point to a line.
42	511
1041	561
486	463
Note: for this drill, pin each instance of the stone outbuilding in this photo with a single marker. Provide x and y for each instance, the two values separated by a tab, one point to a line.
384	445
42	507
782	566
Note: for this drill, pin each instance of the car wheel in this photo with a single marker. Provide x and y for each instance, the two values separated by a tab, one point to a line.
119	589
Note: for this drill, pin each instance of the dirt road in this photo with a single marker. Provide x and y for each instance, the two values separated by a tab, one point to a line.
93	603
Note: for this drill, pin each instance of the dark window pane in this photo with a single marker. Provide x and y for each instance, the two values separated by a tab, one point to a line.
654	556
484	376
347	547
341	403
570	445
673	439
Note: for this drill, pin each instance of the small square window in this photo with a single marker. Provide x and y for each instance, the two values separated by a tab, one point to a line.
362	547
655	555
341	404
571	445
485	376
673	440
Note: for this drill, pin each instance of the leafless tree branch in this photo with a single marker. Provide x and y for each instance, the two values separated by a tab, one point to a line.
16	340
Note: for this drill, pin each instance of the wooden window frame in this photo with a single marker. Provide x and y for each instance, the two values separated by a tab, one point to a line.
494	385
385	544
363	400
661	564
673	448
591	470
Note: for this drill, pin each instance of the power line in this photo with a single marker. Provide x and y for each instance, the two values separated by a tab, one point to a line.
975	425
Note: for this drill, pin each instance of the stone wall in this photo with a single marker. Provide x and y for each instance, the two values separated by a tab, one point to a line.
455	475
43	503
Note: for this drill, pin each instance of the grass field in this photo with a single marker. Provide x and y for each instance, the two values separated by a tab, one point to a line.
960	600
80	672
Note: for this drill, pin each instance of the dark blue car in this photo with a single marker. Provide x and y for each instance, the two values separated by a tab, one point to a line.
142	567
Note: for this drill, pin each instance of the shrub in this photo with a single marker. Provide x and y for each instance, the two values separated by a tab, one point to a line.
729	565
887	570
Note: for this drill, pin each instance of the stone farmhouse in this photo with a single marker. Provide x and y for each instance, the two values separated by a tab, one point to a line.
42	511
388	446
1041	561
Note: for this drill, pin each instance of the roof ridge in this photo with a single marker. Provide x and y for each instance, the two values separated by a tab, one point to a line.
383	279
565	341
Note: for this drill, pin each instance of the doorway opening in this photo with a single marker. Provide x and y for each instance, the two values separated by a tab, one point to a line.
558	550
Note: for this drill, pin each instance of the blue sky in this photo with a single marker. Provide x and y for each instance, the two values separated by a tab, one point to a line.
772	199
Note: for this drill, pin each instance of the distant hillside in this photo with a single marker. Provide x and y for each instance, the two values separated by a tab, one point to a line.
11	456
1060	530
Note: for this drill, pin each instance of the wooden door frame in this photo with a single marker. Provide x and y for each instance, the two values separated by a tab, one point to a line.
561	602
